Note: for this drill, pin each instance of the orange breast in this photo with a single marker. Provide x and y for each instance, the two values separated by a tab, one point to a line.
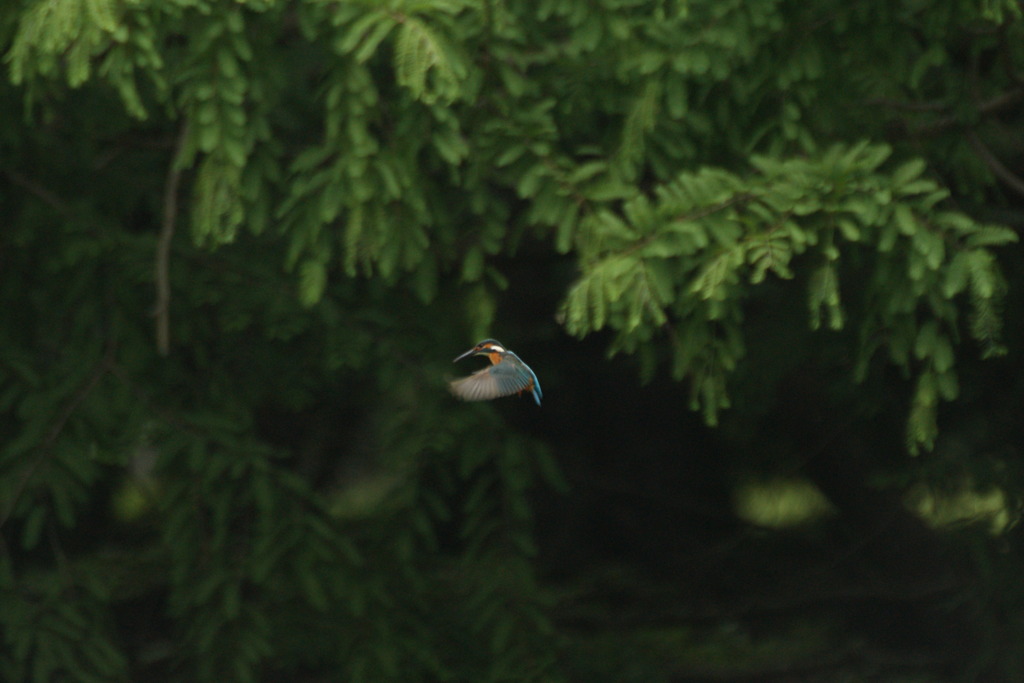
495	358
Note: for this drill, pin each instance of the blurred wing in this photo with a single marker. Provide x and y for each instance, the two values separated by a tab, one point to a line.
503	379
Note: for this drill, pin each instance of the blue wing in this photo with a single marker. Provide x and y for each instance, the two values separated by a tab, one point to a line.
504	379
534	385
527	374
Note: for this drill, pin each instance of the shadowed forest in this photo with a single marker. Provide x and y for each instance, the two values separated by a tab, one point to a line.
763	258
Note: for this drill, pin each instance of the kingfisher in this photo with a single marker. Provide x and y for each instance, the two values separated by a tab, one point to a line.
507	375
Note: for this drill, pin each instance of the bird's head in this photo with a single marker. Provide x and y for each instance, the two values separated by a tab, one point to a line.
484	348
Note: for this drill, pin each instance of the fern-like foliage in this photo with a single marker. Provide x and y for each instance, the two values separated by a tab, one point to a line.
686	260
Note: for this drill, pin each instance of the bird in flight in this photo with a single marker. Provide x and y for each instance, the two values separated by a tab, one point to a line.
506	375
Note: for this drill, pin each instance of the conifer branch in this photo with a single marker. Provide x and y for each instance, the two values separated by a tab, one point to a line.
46	447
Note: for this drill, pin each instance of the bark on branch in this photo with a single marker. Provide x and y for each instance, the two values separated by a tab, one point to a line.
161	310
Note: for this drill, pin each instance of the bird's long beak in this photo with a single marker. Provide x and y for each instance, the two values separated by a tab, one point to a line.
467	354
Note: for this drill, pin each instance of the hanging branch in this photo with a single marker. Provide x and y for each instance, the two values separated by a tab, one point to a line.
161	310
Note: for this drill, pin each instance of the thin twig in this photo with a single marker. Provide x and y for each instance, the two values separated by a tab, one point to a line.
1011	179
161	274
47	196
906	105
993	105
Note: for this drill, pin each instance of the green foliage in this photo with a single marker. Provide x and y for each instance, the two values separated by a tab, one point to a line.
332	158
687	259
57	630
